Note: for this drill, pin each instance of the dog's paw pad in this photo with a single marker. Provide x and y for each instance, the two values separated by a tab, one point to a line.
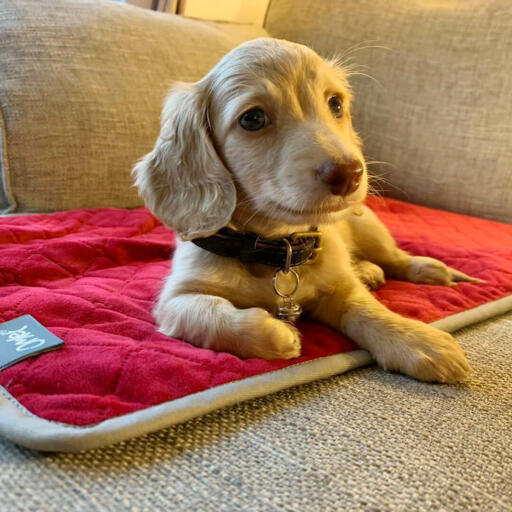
262	335
370	274
429	355
282	340
422	269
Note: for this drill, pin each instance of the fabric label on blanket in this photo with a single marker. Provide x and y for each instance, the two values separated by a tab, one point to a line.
24	337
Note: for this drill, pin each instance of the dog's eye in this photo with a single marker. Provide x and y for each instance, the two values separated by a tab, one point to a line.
335	106
254	119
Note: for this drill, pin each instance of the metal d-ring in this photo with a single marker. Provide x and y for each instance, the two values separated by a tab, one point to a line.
289	253
288	311
297	281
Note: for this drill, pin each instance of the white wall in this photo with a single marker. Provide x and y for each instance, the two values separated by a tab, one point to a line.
240	11
140	3
237	11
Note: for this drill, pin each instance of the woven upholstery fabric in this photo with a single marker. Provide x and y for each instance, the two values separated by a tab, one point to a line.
91	277
440	110
82	84
364	441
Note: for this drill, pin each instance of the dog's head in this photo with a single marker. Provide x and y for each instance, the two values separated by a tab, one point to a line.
269	129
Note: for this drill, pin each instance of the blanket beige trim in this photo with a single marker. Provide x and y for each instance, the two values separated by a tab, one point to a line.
24	428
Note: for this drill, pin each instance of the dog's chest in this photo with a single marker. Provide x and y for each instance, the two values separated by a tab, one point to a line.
272	288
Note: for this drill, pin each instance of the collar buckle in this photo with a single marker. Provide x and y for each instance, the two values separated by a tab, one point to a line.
310	234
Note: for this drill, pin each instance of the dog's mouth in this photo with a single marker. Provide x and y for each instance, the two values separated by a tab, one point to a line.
324	209
319	210
320	214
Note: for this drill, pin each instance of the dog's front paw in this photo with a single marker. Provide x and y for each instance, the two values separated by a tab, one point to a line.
422	269
426	354
370	274
262	335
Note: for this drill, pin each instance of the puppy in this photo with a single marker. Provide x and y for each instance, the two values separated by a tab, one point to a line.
264	144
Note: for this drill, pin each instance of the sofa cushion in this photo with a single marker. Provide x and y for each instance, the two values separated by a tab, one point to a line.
442	116
81	89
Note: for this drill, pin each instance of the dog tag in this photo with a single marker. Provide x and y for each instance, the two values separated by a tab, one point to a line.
289	311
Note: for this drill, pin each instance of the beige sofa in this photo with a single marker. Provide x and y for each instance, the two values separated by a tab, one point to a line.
81	87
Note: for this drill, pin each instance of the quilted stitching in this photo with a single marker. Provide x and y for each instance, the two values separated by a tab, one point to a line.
91	277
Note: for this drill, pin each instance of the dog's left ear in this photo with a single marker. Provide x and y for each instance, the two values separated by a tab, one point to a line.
183	181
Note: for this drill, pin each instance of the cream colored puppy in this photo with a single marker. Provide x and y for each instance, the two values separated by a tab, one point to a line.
264	143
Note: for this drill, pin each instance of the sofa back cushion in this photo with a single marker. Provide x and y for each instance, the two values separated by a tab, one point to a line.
81	88
440	111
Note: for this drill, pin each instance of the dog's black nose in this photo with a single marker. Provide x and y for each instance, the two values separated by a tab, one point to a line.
342	177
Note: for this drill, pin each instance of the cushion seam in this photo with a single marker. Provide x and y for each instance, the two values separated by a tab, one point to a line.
11	204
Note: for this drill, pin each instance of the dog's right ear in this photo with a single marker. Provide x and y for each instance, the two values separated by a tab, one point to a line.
183	181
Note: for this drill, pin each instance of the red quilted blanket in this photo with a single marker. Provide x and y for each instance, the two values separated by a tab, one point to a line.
91	277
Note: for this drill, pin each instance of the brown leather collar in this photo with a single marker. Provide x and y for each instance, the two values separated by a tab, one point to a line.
251	248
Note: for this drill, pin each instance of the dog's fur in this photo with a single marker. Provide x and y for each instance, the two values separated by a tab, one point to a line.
206	172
